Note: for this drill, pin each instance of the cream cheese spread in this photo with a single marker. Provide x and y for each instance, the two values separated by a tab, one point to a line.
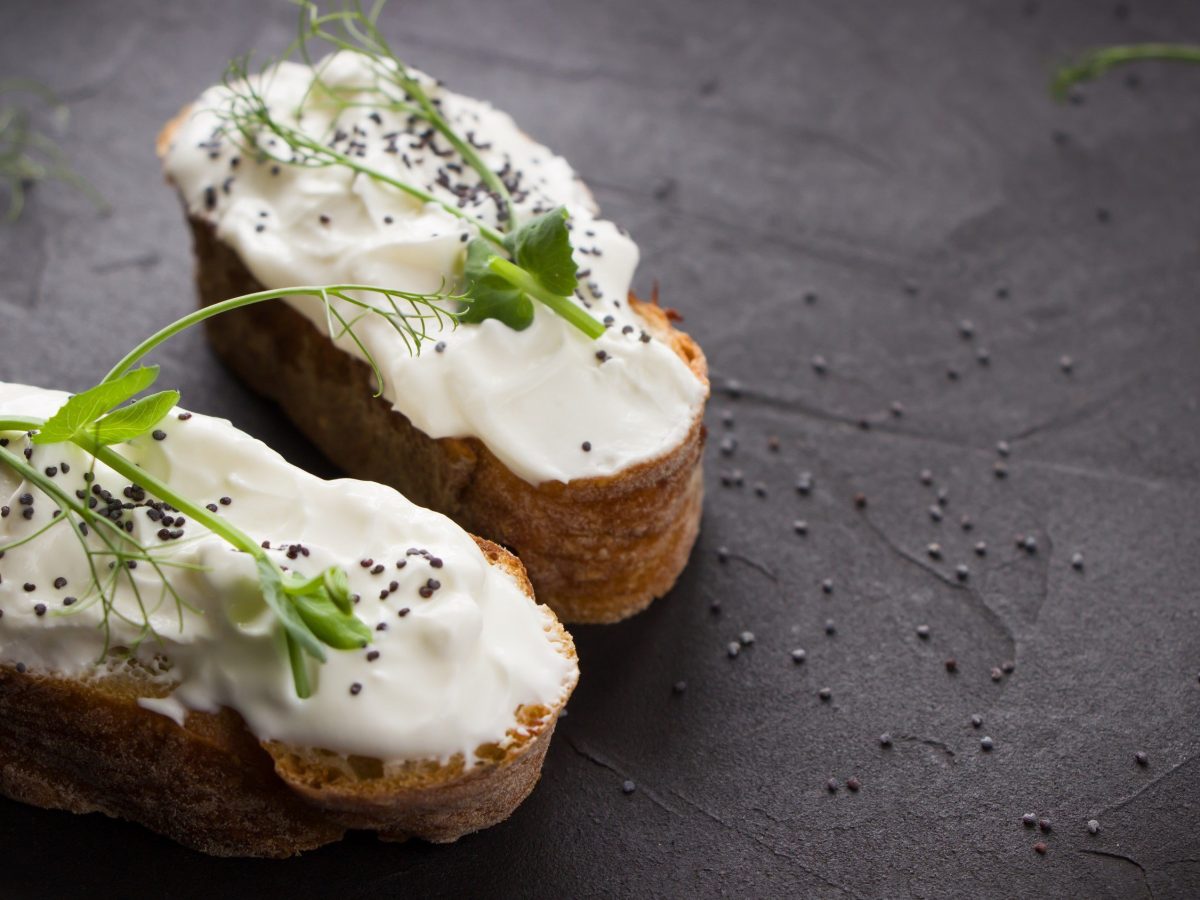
536	397
457	645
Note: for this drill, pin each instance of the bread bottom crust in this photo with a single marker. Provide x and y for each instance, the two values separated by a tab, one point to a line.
596	549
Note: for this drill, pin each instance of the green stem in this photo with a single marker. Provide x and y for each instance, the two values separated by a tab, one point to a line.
216	309
349	162
518	277
1097	62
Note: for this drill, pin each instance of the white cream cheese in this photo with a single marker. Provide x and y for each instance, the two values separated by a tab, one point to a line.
442	675
534	397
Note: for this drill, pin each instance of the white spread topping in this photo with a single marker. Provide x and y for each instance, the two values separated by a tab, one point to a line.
533	397
449	673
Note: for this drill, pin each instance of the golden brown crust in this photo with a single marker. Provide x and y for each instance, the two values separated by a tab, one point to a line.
597	549
86	746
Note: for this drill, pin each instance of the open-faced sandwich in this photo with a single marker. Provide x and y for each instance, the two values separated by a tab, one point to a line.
553	413
197	636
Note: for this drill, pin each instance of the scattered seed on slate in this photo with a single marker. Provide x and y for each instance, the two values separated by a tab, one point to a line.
1008	666
773	444
798	655
800	526
952	373
1141	758
760	489
897	409
810	297
983	356
966	329
860	500
820	366
935	513
830	627
1000	469
746	638
923	632
728	445
804	484
853	783
961	572
952	665
679	687
827	586
832	785
997	674
826	694
1029	545
986	744
966	523
976	720
885	740
627	786
715	607
934	550
733	648
1040	847
1066	364
722	554
355	688
1077	561
926	477
981	548
1093	826
1029	820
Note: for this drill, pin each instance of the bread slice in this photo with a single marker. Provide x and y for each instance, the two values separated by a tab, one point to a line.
596	549
87	746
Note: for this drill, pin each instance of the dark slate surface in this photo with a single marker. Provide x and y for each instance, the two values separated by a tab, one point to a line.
760	151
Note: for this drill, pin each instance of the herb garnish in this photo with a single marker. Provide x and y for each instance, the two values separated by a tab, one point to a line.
27	155
541	267
315	611
1095	63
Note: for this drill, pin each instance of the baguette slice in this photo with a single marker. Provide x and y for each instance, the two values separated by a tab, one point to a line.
87	746
596	549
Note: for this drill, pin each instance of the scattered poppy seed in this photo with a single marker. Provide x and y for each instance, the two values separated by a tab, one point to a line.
628	787
830	627
827	586
976	720
860	501
885	740
355	688
40	609
853	783
825	694
158	434
1066	364
996	673
926	477
923	632
832	785
935	513
1141	758
760	489
1077	561
1093	826
966	523
1000	469
1008	666
820	366
986	744
1040	847
934	550
897	409
952	665
1044	824
722	554
983	356
679	687
799	655
733	648
800	526
961	572
746	638
981	548
1029	820
966	329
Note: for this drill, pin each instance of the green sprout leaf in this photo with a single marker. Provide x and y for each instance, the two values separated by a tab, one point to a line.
1096	62
78	414
274	592
492	297
337	585
136	419
331	626
542	247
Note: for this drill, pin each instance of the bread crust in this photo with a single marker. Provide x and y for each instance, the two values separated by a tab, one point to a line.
87	746
597	549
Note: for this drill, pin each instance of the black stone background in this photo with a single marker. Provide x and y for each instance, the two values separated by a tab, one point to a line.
759	151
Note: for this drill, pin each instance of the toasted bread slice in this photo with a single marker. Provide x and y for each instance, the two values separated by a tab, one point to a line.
87	746
596	549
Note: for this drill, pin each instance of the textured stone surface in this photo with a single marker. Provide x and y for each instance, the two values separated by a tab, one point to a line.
759	151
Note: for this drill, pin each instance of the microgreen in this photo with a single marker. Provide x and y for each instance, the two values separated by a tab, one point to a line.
541	266
1095	63
315	611
27	154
